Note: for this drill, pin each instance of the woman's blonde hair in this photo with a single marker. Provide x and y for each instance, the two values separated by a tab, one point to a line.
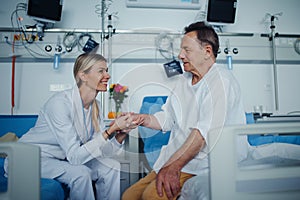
84	63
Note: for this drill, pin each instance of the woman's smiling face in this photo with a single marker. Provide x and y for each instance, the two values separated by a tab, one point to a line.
98	76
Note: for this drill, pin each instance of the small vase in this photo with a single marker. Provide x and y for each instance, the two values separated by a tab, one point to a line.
118	108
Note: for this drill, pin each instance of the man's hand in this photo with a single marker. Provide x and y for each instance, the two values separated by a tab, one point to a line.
127	121
168	178
137	120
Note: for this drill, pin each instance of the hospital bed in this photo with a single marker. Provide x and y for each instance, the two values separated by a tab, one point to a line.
271	171
21	185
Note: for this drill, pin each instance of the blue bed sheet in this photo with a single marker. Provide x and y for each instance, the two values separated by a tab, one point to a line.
256	140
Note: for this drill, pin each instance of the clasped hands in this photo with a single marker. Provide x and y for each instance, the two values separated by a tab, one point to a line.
128	121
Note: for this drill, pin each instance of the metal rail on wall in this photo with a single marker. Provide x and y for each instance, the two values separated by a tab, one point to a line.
79	30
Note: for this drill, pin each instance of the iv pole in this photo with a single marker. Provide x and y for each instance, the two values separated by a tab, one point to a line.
272	39
109	38
102	50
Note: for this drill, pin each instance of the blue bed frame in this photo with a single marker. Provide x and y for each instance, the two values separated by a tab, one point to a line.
20	124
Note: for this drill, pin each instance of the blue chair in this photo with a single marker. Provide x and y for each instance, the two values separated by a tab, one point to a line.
20	124
150	140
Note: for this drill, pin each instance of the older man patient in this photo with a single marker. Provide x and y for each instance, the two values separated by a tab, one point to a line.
207	96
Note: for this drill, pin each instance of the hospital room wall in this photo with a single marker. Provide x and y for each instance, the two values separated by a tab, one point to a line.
250	15
252	65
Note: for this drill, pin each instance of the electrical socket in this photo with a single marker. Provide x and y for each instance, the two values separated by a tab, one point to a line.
59	87
3	37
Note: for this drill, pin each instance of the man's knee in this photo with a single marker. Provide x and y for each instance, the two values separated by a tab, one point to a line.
133	192
150	192
127	195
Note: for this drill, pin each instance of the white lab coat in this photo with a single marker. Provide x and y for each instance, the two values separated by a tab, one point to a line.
69	148
213	102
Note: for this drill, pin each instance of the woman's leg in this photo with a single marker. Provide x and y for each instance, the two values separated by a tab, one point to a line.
79	180
106	173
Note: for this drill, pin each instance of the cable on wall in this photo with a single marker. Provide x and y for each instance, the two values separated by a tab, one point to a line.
20	32
164	44
70	40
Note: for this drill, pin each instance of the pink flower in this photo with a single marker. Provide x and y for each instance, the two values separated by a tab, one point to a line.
117	92
118	87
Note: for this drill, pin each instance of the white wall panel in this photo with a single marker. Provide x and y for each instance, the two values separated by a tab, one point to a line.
288	86
134	52
32	81
256	83
86	14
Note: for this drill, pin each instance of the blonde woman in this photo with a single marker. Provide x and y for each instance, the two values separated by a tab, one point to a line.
75	144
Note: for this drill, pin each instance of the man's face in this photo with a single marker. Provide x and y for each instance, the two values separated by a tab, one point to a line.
192	53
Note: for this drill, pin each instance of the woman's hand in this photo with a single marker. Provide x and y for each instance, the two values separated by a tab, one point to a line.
126	122
137	120
123	124
121	135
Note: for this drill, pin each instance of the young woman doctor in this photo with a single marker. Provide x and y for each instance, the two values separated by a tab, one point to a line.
74	142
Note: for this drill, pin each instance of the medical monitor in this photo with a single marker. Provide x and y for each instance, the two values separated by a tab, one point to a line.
45	10
221	12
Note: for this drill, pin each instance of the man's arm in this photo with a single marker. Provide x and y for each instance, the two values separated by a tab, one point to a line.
168	176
